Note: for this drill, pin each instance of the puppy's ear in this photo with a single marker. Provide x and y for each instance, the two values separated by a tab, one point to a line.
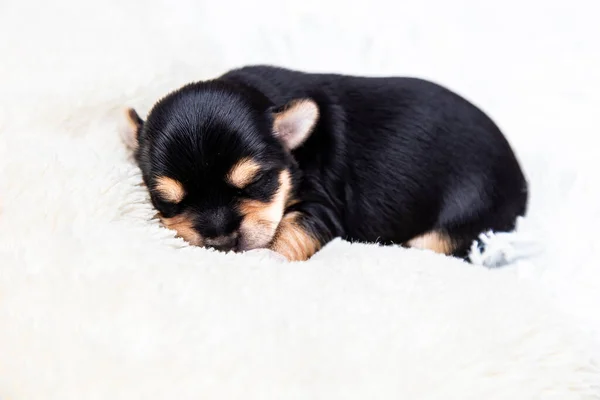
294	122
132	129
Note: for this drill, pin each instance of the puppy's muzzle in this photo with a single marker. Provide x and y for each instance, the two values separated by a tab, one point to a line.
223	243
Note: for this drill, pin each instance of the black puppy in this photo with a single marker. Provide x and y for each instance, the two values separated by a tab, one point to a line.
265	157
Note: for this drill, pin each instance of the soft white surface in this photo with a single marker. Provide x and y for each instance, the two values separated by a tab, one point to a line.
97	301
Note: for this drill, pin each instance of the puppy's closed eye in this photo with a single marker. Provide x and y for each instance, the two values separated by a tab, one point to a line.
263	185
259	178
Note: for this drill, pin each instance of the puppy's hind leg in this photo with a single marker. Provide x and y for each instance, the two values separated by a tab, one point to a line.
436	240
459	227
456	239
453	242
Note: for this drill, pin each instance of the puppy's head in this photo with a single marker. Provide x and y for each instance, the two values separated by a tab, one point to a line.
217	162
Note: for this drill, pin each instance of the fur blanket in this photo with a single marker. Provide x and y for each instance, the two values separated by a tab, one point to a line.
98	301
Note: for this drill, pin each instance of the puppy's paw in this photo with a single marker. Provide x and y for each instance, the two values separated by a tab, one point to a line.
267	254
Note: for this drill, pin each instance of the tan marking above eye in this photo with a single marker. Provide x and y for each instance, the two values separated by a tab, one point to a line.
169	189
436	241
243	172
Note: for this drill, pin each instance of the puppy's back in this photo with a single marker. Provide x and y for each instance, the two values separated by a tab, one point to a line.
413	155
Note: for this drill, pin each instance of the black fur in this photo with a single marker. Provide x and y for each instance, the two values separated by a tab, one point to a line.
389	158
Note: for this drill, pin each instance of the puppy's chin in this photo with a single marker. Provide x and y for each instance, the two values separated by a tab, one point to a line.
256	235
261	219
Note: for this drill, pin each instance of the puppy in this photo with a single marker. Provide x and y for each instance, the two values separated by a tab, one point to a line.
266	157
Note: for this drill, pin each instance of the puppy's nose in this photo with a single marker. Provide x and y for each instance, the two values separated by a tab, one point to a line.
223	243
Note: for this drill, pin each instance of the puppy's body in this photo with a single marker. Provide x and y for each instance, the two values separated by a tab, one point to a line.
388	160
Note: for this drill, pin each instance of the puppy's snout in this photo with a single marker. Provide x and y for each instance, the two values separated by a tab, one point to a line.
217	222
223	243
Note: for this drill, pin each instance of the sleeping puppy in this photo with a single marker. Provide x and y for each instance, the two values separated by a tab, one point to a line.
265	157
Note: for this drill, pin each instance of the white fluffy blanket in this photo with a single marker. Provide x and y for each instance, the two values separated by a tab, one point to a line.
98	301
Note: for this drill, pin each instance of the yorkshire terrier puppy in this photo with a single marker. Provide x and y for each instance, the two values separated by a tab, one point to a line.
266	157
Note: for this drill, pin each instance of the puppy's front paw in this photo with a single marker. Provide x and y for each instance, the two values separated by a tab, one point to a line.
267	254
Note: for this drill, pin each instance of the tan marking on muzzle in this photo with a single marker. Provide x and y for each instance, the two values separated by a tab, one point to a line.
293	241
184	227
436	241
261	219
169	189
242	173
